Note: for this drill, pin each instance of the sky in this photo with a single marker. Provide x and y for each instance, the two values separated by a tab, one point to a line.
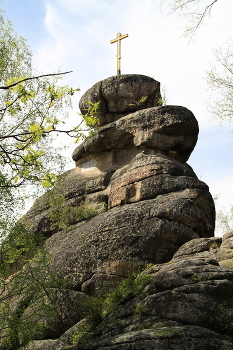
74	35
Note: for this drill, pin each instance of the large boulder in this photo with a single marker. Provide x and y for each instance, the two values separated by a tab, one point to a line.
171	129
127	238
120	95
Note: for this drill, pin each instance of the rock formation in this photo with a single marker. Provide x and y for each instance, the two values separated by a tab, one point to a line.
188	304
135	166
152	210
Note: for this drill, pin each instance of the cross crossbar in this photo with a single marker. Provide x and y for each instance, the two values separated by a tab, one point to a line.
118	40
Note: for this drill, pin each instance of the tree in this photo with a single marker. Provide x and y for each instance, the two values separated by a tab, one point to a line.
225	219
220	79
27	283
194	10
220	76
33	297
32	111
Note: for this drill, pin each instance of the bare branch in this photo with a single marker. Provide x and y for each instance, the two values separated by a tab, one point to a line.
205	13
194	15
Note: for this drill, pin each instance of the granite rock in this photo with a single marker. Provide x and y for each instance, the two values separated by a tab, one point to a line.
171	129
188	303
150	208
120	95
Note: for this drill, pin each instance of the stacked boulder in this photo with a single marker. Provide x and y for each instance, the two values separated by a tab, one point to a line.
135	167
133	172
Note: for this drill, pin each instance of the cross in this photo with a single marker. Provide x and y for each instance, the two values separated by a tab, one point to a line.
118	40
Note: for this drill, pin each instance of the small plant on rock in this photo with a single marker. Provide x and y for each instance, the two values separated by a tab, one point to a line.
137	103
101	310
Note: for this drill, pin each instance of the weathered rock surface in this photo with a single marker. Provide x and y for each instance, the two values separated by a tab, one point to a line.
129	237
188	304
120	95
149	175
67	302
157	205
133	171
171	129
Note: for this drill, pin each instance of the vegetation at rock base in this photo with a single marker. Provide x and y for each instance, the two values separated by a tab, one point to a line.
29	286
32	110
100	311
34	285
29	304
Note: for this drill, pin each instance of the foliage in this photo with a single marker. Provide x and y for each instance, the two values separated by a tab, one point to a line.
28	111
32	111
214	245
193	11
163	100
215	319
90	120
62	212
137	103
229	264
133	285
168	332
63	215
90	326
198	277
224	219
101	310
34	285
17	248
220	79
28	285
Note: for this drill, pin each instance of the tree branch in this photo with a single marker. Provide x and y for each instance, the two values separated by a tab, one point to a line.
206	11
37	77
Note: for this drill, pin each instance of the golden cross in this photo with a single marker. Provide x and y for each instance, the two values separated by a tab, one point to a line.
118	40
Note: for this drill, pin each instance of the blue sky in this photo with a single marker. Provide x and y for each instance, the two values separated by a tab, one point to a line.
75	35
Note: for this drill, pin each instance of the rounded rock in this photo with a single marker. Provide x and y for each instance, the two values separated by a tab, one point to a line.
121	95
